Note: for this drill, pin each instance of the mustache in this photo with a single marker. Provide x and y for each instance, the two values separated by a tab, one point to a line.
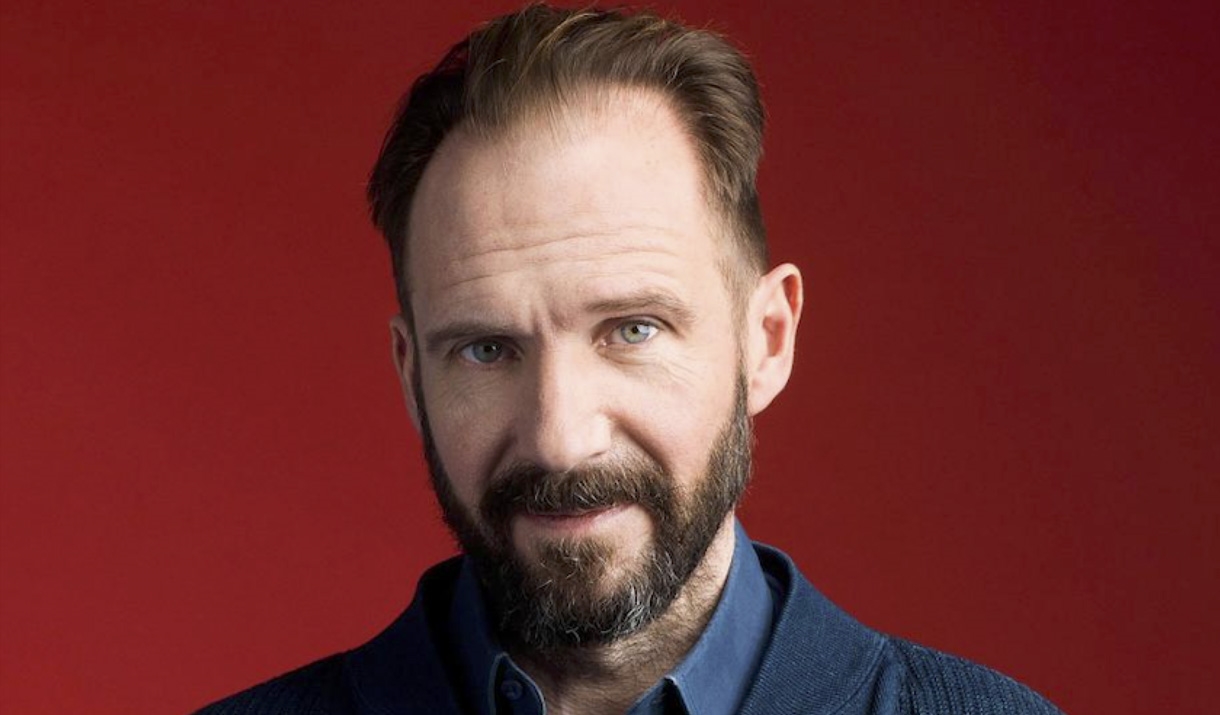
527	488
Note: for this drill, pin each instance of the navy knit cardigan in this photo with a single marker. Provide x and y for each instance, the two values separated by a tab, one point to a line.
820	661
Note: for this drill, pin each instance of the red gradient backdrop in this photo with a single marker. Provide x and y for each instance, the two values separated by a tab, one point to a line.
1000	440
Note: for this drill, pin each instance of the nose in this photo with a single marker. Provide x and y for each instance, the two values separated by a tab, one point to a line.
567	423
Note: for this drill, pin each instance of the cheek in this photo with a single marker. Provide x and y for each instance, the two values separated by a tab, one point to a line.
688	436
468	435
679	420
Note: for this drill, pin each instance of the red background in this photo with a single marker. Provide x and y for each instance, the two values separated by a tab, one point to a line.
1000	440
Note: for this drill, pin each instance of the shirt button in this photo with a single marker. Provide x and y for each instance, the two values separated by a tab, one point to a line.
511	689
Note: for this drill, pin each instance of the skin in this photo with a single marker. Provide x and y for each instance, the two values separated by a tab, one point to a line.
570	307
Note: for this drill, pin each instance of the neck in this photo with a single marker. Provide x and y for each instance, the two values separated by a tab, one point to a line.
609	678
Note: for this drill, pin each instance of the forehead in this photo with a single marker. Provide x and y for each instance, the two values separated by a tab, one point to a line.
612	181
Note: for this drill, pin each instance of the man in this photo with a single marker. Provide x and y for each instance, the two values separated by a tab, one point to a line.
588	326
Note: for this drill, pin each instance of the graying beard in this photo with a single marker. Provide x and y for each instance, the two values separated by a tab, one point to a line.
557	617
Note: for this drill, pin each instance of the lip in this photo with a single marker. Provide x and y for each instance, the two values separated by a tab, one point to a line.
572	522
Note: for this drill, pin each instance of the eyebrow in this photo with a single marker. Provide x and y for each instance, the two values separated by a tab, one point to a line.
665	303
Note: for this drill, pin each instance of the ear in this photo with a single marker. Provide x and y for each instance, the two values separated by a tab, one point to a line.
402	349
771	319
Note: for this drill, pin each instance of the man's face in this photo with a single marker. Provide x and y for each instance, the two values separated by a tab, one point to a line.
577	365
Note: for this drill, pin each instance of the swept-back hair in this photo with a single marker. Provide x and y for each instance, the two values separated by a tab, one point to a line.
543	57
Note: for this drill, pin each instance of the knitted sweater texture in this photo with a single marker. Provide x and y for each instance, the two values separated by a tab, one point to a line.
819	662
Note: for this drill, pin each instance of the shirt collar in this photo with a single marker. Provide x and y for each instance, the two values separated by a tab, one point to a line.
714	676
712	679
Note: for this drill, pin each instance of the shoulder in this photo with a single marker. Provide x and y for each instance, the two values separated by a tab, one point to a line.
403	665
821	657
936	683
319	688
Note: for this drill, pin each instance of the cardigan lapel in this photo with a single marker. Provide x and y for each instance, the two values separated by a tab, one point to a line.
402	671
819	660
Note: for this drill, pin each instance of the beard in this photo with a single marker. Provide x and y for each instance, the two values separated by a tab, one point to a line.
558	599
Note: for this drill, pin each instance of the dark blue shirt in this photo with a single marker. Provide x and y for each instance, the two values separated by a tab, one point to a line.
711	680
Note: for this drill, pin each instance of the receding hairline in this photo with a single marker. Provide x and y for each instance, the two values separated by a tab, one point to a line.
564	116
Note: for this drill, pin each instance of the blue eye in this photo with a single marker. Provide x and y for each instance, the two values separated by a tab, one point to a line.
636	333
483	352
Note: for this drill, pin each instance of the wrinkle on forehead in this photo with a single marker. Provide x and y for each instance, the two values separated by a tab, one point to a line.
604	230
621	188
611	243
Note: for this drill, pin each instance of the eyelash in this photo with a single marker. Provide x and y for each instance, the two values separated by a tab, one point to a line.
629	323
505	347
509	351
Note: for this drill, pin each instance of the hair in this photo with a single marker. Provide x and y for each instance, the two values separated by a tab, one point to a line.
543	57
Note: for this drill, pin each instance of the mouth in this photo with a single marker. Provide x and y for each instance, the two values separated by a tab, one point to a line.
571	521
